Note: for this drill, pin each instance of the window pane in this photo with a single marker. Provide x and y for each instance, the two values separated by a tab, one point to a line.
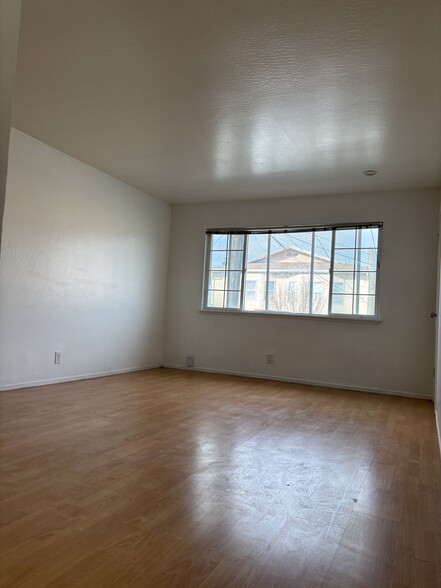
342	303
233	299
250	291
369	237
289	294
256	264
255	292
354	280
344	260
219	242
297	242
322	264
215	298
367	259
271	288
234	280
365	282
225	271
236	241
290	272
323	243
320	294
364	305
218	259
234	260
216	281
343	283
345	238
257	249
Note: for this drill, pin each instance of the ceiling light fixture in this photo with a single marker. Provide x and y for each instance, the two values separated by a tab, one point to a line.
370	172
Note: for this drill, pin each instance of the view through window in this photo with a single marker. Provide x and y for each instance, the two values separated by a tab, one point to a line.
309	271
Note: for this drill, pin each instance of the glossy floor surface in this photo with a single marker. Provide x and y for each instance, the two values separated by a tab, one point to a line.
178	479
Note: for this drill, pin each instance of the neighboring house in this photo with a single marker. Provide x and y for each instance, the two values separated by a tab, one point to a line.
289	283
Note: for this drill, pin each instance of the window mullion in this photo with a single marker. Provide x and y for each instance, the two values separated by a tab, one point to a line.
377	272
244	269
311	275
357	276
267	271
227	261
207	270
331	272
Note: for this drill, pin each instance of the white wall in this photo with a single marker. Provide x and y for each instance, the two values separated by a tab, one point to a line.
83	270
9	28
395	355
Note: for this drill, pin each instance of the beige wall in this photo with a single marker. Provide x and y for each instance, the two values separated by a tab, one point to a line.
83	270
395	355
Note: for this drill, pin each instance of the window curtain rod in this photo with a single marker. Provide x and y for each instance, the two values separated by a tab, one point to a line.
290	229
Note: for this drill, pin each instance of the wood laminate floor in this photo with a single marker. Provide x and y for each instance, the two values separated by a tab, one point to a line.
178	479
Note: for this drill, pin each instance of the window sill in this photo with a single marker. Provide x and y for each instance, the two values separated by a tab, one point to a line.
335	317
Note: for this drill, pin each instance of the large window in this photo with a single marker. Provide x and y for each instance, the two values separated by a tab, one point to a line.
309	270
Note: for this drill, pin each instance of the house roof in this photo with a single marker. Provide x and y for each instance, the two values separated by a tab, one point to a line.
293	259
289	259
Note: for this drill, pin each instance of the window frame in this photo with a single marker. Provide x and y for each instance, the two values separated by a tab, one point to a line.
288	229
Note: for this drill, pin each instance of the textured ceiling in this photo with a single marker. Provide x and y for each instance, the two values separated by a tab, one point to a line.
208	100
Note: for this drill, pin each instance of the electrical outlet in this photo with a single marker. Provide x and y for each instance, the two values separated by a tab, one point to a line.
189	361
57	357
270	358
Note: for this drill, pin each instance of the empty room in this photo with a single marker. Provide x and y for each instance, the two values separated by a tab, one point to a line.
220	343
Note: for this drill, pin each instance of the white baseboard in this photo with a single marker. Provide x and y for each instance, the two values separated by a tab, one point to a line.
296	381
438	429
36	383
